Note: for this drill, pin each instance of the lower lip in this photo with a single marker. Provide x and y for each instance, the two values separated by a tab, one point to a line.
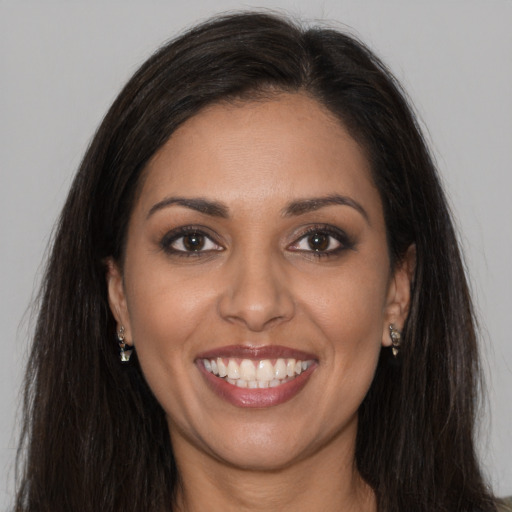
256	398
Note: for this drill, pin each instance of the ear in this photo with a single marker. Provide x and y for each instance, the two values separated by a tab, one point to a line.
117	298
399	295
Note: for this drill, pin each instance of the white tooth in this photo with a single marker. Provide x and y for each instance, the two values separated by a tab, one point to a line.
305	365
263	383
231	381
213	364
247	370
273	383
253	384
222	367
233	370
207	365
298	367
241	383
265	370
280	369
290	367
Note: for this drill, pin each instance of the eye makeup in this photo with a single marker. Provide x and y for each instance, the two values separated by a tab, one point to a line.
189	241
317	240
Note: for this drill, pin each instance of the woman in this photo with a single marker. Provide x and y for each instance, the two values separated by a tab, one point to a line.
255	299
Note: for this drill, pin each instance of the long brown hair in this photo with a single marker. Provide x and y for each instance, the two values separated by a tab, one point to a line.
94	436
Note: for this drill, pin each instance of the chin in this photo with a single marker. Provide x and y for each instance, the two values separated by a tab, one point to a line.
268	447
261	456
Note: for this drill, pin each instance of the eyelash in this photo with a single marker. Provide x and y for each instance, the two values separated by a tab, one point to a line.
180	233
331	232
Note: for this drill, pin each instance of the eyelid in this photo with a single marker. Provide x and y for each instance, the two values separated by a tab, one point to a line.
344	240
180	232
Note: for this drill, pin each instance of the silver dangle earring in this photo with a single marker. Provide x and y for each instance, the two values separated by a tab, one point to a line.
396	337
124	353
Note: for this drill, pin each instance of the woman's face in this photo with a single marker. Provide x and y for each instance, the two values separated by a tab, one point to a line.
257	248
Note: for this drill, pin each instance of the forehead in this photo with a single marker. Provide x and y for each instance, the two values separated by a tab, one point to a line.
285	147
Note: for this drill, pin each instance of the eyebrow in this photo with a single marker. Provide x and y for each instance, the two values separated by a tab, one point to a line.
295	208
212	208
312	204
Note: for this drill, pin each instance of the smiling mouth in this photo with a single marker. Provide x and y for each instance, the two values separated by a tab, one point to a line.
256	374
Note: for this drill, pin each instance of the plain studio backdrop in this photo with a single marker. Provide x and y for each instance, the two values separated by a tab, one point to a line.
63	63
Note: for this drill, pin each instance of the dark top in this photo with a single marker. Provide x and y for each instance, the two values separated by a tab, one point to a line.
505	505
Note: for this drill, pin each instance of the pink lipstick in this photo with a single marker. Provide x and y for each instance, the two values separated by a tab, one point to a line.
256	377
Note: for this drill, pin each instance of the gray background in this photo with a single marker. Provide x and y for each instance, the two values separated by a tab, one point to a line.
62	64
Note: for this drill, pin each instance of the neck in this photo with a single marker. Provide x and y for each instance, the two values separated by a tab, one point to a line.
327	480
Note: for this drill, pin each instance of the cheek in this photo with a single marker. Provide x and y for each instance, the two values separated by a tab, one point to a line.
165	312
353	328
348	305
164	309
165	315
348	308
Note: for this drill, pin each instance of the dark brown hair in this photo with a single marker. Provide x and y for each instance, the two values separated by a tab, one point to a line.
94	436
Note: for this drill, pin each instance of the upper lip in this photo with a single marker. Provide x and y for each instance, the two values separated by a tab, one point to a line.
256	352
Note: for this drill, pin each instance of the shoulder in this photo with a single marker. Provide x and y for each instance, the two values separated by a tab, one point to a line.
505	505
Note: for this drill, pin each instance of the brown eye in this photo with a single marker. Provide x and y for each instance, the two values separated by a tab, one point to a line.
318	241
325	240
185	241
194	242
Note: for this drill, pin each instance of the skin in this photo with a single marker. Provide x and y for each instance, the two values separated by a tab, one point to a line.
257	281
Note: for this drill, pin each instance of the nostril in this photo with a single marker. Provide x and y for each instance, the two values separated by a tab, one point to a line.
259	304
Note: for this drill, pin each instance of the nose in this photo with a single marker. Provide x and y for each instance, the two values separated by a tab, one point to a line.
256	293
